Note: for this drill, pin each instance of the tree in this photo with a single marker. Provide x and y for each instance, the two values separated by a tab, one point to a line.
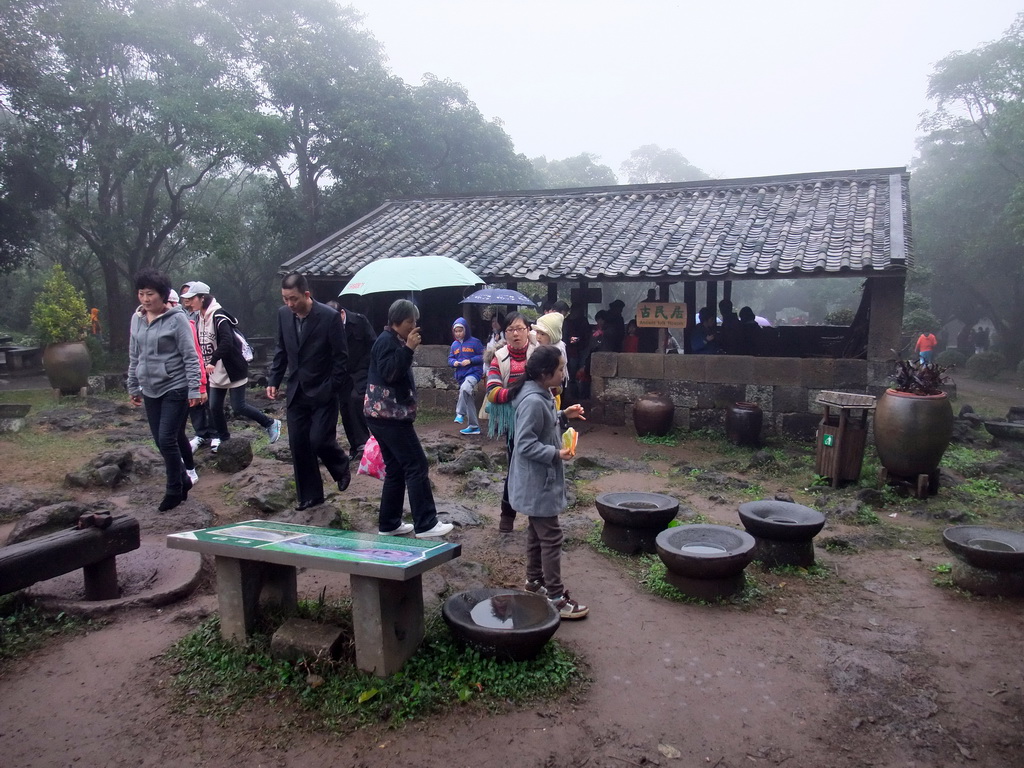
968	189
650	164
581	170
126	109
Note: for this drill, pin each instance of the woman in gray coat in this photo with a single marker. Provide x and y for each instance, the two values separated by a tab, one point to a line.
536	475
163	375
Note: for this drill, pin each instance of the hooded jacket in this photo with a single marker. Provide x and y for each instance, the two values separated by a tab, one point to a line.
162	355
536	473
470	348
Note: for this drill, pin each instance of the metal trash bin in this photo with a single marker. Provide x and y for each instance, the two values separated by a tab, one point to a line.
842	434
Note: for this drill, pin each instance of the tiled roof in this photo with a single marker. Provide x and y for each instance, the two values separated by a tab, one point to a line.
848	222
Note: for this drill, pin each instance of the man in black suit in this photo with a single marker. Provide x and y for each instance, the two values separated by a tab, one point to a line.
360	336
311	348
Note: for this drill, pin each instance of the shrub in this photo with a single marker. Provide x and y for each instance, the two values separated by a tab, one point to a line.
840	317
986	365
951	358
59	313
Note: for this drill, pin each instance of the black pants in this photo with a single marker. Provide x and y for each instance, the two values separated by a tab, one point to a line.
312	435
353	420
406	468
166	416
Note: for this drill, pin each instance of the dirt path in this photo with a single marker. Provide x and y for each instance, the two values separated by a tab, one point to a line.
872	666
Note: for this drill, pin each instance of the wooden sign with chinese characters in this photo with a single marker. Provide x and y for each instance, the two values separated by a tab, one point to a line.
660	314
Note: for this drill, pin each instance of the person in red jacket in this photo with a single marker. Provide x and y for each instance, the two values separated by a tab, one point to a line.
926	347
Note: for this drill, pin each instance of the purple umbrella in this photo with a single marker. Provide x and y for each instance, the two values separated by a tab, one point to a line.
764	322
498	296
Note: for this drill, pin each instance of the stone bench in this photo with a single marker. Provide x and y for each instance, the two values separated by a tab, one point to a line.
256	562
92	547
23	358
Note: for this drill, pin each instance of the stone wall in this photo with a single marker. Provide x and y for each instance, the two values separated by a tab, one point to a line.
701	386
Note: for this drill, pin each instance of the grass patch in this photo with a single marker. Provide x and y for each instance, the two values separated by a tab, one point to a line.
213	678
672	439
24	626
966	460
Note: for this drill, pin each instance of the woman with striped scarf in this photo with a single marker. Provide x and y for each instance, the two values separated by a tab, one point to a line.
507	367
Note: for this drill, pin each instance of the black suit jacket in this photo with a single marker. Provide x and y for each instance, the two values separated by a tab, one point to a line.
319	364
360	336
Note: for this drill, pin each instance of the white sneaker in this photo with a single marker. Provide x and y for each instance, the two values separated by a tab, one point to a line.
193	475
196	442
214	444
401	530
438	530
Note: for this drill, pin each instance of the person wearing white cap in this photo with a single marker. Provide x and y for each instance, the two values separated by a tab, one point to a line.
199	415
187	454
227	369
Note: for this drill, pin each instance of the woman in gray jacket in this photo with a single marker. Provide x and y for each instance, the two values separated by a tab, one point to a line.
163	375
536	476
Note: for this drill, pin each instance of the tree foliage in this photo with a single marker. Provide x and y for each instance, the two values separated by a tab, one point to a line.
582	170
650	164
968	187
132	122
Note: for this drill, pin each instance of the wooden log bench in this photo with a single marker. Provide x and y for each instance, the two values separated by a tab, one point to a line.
93	547
256	563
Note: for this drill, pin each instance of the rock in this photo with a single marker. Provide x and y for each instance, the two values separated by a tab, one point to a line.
456	513
55	517
845	509
267	492
784	497
479	480
15	502
233	455
762	458
467	460
872	497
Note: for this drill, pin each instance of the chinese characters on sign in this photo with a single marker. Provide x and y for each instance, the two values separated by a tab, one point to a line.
660	314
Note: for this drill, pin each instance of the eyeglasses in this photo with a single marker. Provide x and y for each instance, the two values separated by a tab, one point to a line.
518	329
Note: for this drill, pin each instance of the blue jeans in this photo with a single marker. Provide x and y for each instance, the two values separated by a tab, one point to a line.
238	406
166	415
405	466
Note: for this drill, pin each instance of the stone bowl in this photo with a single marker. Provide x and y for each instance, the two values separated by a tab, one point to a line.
506	624
705	551
781	520
1005	430
994	549
636	509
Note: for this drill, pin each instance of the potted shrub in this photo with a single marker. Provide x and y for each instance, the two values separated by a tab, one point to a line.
914	423
60	319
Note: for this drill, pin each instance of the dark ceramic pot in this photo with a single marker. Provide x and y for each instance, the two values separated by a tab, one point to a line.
912	431
67	366
653	413
743	423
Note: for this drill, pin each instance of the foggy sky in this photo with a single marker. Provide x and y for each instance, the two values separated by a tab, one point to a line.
740	88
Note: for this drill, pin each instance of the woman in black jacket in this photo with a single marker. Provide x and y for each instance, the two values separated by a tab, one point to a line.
390	410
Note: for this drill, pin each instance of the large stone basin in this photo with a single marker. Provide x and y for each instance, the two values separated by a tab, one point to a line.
503	623
995	549
633	519
705	561
784	531
990	561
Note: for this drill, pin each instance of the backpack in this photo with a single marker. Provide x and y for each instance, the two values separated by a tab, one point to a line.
246	349
247	354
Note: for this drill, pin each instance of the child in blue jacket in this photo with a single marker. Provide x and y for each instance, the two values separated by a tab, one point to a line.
466	356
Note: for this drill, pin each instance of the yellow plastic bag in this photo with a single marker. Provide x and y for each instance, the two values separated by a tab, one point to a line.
569	439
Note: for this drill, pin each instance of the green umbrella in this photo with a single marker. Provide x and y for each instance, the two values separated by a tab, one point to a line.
409	273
